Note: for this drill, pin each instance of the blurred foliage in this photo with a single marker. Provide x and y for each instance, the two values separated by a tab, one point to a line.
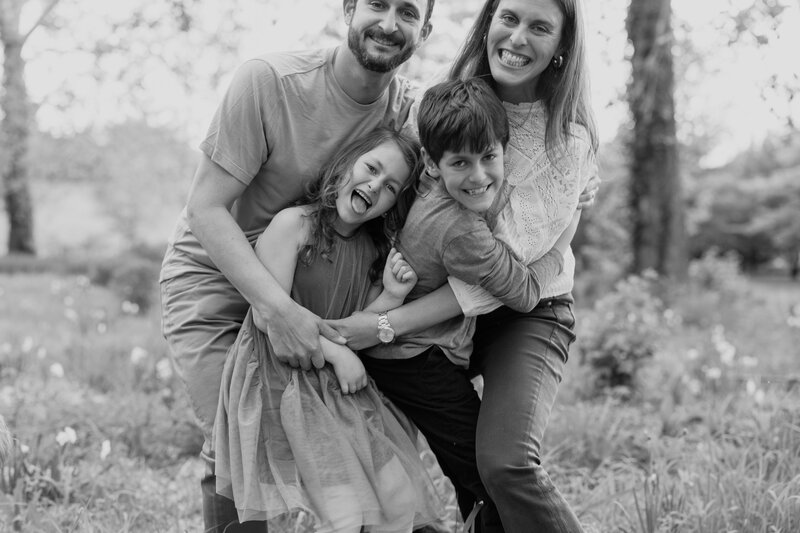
751	206
621	334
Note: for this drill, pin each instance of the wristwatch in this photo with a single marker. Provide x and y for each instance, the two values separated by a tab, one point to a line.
385	331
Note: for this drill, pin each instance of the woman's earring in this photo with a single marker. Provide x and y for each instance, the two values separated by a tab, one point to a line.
558	62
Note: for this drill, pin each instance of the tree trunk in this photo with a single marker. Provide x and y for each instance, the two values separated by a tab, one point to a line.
15	131
659	234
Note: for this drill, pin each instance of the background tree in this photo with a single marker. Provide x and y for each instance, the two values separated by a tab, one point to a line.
658	232
16	125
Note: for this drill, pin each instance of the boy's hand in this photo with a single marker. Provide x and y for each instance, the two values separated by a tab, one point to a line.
398	276
348	368
587	197
566	236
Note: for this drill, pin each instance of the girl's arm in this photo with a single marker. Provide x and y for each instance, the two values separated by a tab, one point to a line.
293	331
277	249
398	280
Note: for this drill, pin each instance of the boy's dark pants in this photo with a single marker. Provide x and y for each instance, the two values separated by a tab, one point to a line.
439	397
521	357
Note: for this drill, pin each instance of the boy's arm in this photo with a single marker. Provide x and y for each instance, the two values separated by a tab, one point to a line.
476	257
476	300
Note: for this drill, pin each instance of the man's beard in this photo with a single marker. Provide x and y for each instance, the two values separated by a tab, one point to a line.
376	64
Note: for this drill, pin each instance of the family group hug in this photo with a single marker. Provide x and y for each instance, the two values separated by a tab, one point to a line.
355	250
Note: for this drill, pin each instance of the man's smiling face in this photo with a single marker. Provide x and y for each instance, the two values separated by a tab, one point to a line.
383	34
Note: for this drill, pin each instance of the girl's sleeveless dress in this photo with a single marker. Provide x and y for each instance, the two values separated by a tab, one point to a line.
288	440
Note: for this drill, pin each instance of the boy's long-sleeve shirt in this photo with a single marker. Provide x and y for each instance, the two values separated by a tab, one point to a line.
441	238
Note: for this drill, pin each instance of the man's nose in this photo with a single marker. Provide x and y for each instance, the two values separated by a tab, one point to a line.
389	22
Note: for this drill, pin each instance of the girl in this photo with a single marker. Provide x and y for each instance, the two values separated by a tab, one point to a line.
324	441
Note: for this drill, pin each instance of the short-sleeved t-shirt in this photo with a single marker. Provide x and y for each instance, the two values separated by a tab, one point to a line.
282	117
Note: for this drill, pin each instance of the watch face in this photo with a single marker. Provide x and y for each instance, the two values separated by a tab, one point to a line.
386	335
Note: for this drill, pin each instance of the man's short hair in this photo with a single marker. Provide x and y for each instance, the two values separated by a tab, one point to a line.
461	115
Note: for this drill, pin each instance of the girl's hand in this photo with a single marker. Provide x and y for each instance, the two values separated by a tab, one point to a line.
398	276
348	368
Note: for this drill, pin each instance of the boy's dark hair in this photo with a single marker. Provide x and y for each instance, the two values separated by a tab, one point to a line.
461	114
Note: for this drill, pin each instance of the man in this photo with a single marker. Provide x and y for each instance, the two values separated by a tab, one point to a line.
282	117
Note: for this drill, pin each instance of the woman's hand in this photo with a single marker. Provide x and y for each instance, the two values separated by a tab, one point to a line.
359	329
587	197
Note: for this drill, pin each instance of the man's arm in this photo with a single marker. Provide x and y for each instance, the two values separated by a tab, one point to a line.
293	330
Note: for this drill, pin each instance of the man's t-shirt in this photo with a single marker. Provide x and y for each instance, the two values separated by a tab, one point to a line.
282	118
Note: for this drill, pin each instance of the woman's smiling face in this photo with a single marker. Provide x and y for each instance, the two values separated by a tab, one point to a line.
523	38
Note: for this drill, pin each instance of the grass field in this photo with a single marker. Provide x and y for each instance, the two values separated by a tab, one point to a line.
706	440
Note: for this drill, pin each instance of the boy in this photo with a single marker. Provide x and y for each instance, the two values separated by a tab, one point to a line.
463	130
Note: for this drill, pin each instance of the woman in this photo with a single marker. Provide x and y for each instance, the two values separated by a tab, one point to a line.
532	52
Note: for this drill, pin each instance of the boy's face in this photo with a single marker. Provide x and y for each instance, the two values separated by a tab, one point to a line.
472	179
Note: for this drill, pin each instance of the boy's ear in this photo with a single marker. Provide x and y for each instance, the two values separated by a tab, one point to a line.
430	167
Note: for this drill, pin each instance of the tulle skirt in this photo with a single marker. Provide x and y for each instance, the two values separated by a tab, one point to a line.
288	441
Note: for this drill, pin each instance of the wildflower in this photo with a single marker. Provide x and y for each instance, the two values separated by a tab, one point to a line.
164	369
66	436
24	448
70	314
751	387
692	354
138	354
82	281
748	361
41	353
27	344
759	397
713	373
694	386
105	449
56	370
130	308
101	327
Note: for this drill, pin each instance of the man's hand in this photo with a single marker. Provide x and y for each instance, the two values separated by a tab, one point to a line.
360	329
587	197
294	334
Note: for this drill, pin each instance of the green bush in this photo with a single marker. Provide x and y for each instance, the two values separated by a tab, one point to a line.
621	333
133	276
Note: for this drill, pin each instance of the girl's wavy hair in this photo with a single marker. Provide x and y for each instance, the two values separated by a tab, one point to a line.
564	91
323	191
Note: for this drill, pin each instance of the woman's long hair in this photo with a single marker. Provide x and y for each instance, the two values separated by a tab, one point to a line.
322	194
564	91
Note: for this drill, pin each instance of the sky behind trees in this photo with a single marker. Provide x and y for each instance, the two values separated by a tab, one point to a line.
175	78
